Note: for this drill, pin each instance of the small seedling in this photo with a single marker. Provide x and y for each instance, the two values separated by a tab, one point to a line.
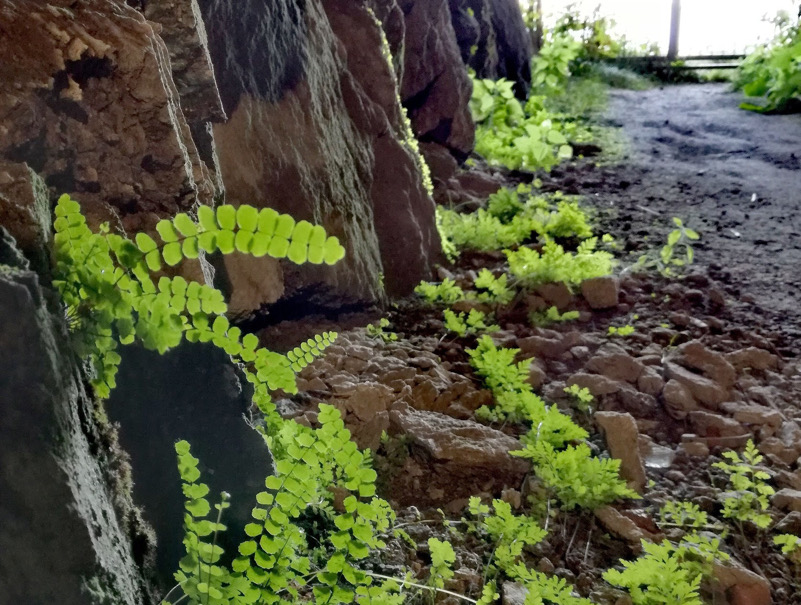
379	333
626	330
582	397
750	498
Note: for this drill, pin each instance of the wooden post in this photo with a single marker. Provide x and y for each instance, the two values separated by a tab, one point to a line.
675	19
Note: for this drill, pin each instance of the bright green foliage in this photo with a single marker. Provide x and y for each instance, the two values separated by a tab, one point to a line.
505	204
445	293
551	66
489	595
551	315
200	577
773	70
668	574
532	268
106	283
379	333
543	589
442	559
485	230
463	324
683	514
582	396
275	560
497	367
548	424
301	356
626	330
509	535
574	476
791	546
750	498
511	134
480	230
491	289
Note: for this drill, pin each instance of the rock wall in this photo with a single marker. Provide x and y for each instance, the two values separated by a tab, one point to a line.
66	522
494	40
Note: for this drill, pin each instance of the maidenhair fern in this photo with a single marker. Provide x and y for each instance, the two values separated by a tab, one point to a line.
106	282
275	563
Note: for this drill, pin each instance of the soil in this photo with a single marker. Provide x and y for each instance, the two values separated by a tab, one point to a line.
734	177
731	174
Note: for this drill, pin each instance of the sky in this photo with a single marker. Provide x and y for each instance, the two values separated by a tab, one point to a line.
707	26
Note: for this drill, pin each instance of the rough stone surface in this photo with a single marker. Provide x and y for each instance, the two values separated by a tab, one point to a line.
788	499
754	358
89	103
678	399
461	455
435	88
61	539
316	131
622	526
25	210
597	385
601	292
741	586
620	431
707	424
705	390
185	35
194	393
503	46
614	362
713	365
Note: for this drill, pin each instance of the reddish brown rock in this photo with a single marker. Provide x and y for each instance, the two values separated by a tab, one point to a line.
596	384
707	424
90	104
787	499
705	390
741	586
713	365
678	399
620	431
614	362
754	358
435	87
601	292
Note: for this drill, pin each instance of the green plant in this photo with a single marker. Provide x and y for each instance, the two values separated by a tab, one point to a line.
446	292
504	224
750	498
553	264
683	514
275	561
509	535
679	240
378	332
626	330
791	546
582	397
773	70
667	574
574	476
550	68
106	283
551	315
517	136
442	559
463	324
491	289
497	366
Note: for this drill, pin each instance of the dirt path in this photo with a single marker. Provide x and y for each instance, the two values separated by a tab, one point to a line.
731	174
